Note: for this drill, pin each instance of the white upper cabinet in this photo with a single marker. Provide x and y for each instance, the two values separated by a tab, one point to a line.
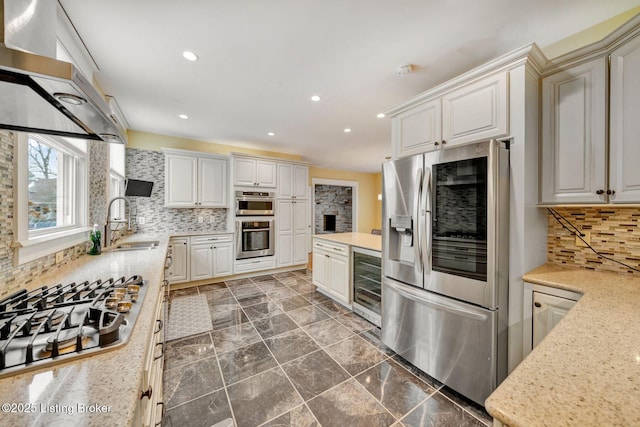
417	130
624	173
462	114
181	181
578	164
251	172
292	181
195	180
212	182
475	112
574	134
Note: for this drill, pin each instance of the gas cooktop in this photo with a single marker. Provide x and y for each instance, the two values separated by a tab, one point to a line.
54	324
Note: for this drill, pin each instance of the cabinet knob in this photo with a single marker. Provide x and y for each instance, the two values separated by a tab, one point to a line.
436	143
611	192
537	304
599	192
147	393
444	142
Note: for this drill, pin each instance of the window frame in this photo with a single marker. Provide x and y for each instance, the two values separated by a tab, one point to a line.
37	243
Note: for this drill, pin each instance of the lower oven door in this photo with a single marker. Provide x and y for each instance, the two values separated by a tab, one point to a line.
454	342
255	238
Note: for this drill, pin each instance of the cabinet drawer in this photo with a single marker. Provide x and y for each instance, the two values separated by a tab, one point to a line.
334	248
210	238
255	264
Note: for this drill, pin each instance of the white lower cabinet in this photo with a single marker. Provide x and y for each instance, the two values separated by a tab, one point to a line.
211	256
179	270
548	311
331	269
151	405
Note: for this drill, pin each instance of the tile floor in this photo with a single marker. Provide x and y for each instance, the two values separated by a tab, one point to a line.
281	354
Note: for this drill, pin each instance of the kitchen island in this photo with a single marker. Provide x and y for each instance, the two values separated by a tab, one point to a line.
586	372
101	389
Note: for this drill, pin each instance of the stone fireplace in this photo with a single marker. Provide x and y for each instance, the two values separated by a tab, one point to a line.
333	209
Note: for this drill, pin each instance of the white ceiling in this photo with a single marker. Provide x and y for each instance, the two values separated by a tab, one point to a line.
261	60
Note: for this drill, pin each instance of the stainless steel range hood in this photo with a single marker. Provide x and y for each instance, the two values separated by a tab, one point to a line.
41	94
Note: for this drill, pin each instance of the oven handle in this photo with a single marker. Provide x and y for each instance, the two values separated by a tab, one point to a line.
450	308
256	229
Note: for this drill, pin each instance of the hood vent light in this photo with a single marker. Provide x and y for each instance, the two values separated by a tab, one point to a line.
69	98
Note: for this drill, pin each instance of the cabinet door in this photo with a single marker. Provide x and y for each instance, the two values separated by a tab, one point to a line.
300	231
573	157
201	262
476	112
338	277
285	180
417	130
180	181
548	311
624	173
244	172
265	173
179	270
320	266
223	259
284	233
212	182
300	181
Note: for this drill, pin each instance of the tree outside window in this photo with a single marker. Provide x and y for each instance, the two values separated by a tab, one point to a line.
43	185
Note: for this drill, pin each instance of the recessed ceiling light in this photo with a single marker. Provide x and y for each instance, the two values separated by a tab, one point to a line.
183	116
347	130
380	115
190	55
315	98
271	134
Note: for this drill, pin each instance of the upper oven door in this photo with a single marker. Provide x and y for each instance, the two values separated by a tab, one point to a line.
468	223
251	206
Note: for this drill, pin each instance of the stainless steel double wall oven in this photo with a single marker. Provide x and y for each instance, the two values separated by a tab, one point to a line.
445	264
255	224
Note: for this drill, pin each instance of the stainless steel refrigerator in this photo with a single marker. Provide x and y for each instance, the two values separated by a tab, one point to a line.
445	264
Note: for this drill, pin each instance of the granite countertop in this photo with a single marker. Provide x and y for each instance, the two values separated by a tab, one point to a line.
361	240
586	372
111	379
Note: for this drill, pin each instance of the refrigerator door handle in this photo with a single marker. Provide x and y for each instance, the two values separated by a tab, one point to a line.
426	211
451	308
417	241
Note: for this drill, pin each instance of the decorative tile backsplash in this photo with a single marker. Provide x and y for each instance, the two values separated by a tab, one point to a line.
149	166
615	232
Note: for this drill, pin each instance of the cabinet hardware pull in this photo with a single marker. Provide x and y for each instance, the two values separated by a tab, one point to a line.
165	282
159	423
147	393
599	192
611	192
537	304
161	344
327	256
436	143
160	325
444	142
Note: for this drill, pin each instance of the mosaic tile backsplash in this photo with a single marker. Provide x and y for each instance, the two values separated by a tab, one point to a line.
149	166
615	232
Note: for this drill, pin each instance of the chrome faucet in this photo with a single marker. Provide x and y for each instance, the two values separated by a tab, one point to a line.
108	238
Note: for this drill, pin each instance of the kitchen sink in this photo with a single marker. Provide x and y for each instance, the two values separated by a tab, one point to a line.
136	246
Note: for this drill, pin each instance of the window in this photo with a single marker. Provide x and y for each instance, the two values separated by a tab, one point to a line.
116	178
51	194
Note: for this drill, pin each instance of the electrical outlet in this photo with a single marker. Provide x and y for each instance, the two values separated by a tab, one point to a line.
200	219
586	238
141	220
59	257
212	219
